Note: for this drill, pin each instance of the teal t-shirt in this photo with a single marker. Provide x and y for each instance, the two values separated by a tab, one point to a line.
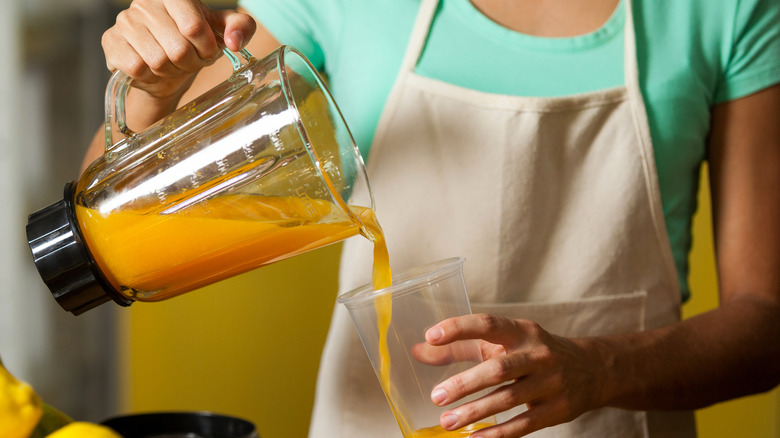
692	54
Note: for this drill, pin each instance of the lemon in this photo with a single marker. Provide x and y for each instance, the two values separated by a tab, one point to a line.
80	429
20	407
22	415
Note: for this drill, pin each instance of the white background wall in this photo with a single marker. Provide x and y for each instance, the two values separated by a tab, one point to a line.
52	76
13	352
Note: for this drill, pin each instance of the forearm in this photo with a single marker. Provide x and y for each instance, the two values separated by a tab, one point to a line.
143	110
733	350
726	353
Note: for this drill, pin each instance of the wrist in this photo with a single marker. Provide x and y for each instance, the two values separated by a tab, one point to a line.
610	378
144	109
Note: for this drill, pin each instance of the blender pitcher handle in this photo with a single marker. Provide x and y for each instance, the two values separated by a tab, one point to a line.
234	61
116	94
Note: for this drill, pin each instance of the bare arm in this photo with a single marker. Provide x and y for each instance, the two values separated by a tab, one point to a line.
733	350
726	353
169	49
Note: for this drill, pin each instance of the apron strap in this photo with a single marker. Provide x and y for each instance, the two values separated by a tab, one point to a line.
419	35
642	128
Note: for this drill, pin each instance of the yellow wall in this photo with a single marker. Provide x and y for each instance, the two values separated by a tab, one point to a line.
250	347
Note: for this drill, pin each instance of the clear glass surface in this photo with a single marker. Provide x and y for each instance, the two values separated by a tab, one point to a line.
258	169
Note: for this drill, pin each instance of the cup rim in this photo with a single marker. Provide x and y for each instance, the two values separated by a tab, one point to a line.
405	282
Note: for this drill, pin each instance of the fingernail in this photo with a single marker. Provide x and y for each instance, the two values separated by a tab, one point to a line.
434	334
449	420
438	395
237	38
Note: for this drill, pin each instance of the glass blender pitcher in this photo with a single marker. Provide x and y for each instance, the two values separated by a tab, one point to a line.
256	170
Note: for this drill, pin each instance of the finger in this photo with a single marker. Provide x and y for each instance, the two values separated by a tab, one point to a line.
133	25
236	27
120	55
535	418
489	350
501	399
432	355
179	51
491	328
456	352
492	372
191	20
154	54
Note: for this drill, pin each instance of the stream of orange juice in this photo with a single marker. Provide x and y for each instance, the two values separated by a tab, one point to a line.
381	277
383	304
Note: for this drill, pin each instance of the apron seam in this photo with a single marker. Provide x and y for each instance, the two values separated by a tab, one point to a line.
533	104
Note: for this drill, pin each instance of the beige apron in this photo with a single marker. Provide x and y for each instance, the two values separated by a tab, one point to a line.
555	204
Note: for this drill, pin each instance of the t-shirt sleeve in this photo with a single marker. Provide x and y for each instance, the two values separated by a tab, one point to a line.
297	23
753	61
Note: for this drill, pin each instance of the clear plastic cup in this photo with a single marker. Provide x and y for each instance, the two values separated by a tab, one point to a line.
420	297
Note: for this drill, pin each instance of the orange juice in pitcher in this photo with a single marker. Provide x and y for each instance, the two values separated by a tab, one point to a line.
205	243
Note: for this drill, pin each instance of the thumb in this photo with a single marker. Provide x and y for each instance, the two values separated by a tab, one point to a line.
237	28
